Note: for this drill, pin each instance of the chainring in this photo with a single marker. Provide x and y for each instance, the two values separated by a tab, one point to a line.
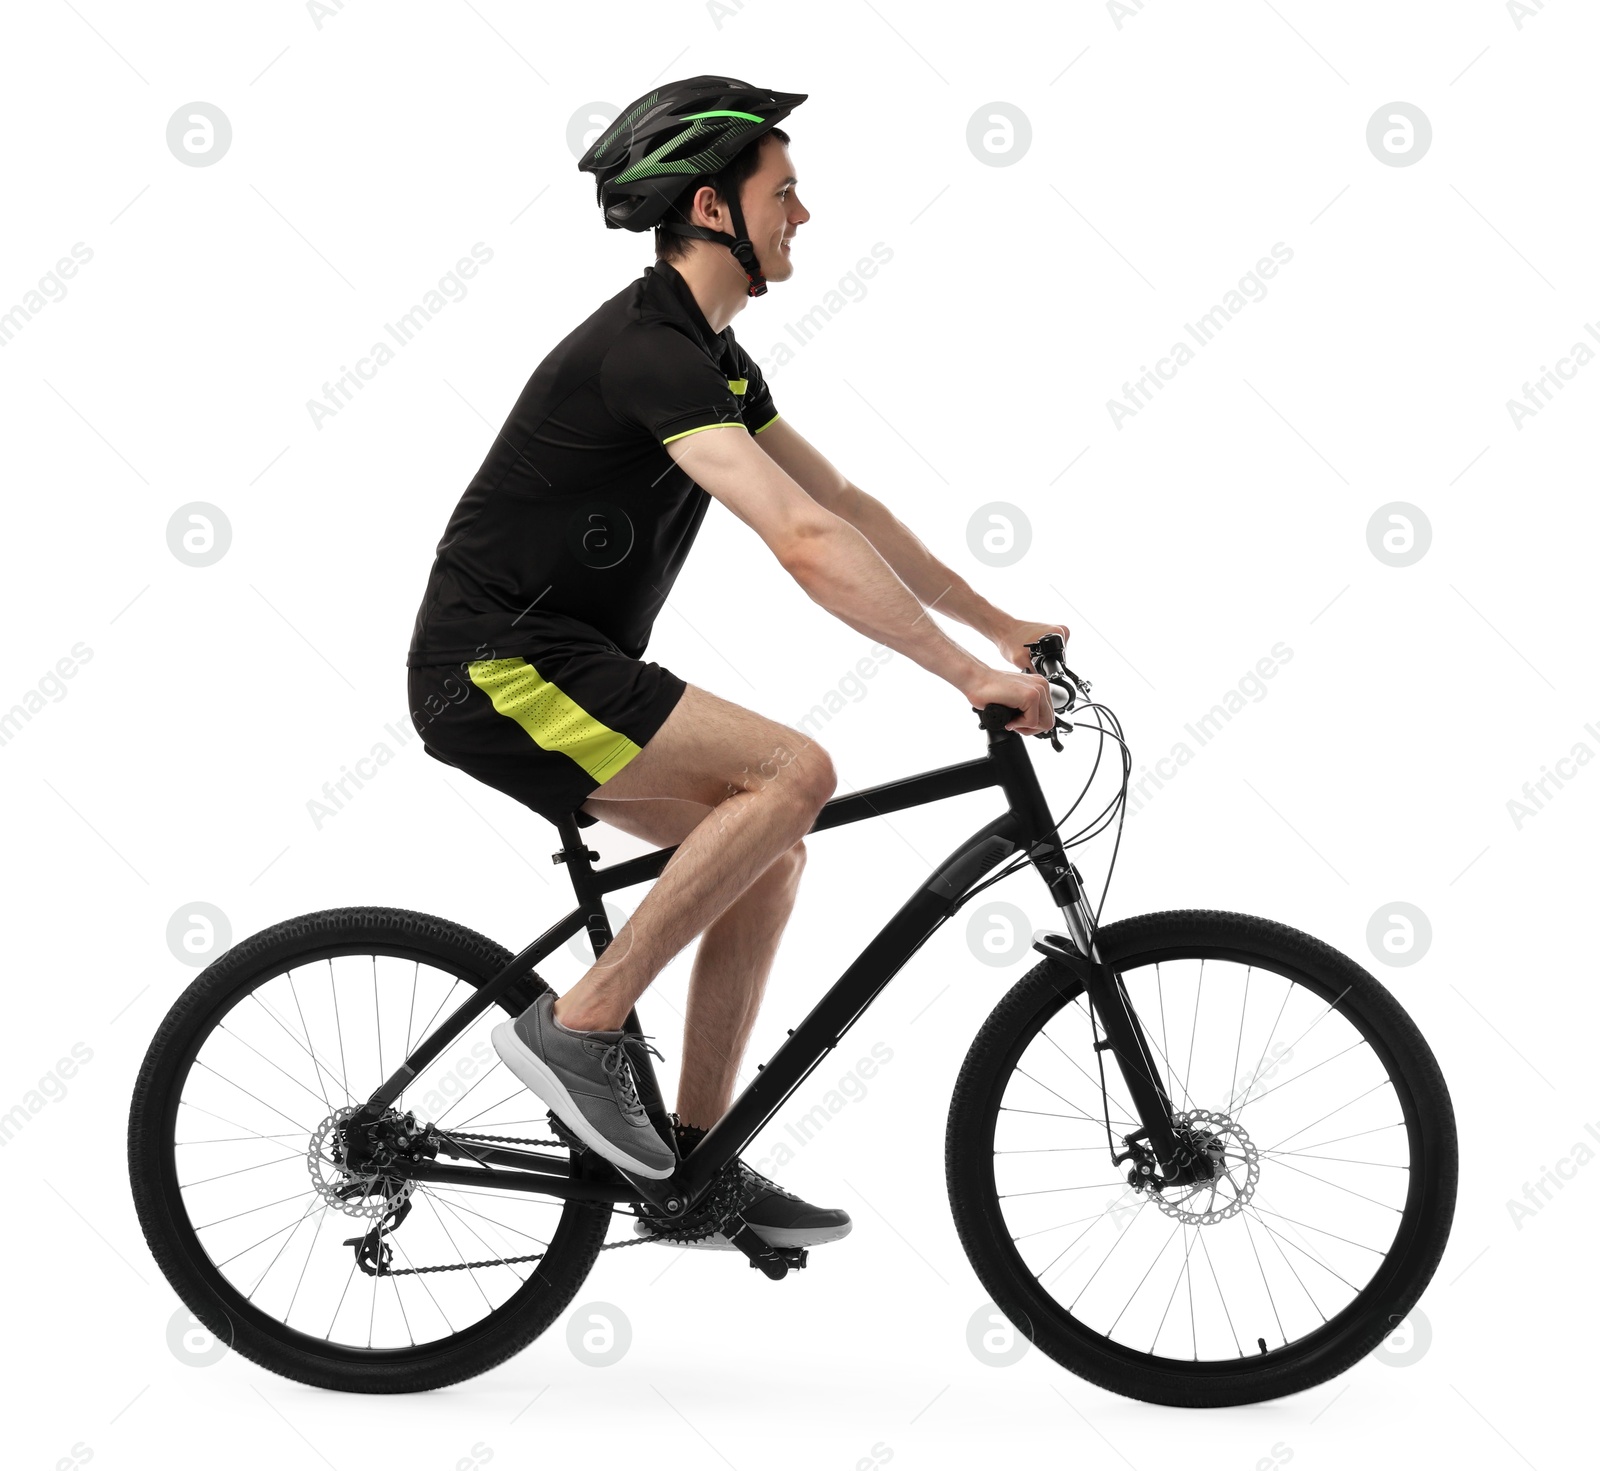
720	1204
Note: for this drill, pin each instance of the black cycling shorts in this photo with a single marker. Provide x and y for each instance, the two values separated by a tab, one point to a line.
546	725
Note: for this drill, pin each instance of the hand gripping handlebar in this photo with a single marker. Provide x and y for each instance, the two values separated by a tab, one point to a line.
1066	688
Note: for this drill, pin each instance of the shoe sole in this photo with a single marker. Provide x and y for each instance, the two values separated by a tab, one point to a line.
772	1235
532	1072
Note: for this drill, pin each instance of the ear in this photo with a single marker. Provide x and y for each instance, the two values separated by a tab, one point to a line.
706	204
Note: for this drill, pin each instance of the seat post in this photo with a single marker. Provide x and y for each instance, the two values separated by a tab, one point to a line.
576	854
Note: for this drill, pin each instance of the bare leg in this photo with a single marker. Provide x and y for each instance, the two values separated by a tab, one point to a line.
731	963
763	785
727	986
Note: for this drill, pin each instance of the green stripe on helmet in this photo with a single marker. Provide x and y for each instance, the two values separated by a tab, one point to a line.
623	124
652	166
750	116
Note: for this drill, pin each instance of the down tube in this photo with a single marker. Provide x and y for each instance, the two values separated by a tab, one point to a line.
848	998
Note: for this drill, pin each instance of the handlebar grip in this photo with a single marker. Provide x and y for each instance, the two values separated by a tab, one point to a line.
996	717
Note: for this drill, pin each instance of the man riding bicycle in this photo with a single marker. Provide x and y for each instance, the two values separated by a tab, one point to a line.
526	669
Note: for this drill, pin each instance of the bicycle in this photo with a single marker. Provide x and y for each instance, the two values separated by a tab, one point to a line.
1315	1221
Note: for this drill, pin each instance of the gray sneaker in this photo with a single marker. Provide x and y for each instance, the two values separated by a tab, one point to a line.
586	1079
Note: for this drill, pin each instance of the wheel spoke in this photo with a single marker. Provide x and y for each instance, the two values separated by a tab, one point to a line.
300	1012
1278	1240
315	1097
344	1071
303	1046
1334	1185
1080	1117
1094	1082
306	1216
1330	1113
1048	1089
186	1103
248	1094
242	1170
299	1194
1359	1042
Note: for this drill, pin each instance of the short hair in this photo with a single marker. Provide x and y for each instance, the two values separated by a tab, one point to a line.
728	181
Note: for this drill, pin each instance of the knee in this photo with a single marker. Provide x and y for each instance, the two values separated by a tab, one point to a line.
819	777
804	771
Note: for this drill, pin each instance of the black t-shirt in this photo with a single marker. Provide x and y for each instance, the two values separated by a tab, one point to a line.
578	508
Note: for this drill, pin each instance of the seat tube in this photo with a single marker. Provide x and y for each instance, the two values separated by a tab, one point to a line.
590	899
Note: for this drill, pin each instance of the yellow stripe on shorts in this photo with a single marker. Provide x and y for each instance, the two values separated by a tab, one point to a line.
554	720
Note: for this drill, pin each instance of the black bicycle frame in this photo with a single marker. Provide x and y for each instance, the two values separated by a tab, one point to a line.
1025	825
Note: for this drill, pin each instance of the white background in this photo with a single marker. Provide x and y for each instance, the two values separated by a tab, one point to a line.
1168	154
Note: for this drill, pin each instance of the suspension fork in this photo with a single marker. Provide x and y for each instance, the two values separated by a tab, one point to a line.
1124	1035
1078	950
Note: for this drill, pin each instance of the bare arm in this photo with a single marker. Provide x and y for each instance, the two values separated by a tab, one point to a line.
934	584
841	570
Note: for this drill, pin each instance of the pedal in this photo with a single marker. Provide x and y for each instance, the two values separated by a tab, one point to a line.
774	1261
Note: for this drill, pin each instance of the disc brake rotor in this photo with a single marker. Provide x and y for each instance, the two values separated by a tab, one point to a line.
367	1193
1234	1165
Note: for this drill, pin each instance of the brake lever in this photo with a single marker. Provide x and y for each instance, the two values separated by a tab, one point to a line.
1054	739
1047	651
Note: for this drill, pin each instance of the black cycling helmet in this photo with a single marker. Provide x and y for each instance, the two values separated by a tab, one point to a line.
675	134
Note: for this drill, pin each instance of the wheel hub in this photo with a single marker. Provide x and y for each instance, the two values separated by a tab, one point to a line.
1221	1154
368	1186
1219	1168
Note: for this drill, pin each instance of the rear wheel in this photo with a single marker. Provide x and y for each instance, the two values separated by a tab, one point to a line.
236	1165
1333	1152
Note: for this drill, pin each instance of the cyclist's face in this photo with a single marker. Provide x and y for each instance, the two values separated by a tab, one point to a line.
772	210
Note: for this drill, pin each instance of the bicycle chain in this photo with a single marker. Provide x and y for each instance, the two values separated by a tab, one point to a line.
725	1198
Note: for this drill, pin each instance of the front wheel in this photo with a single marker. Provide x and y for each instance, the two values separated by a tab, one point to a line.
1333	1165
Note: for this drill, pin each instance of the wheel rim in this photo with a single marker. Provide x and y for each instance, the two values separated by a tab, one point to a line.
1321	1139
287	1052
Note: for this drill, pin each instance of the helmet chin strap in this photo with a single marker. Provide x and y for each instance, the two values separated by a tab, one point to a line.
739	243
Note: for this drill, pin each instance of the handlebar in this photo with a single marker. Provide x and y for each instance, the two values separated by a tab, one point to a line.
1066	688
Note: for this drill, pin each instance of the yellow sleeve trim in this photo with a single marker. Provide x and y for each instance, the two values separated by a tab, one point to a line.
735	424
770	422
